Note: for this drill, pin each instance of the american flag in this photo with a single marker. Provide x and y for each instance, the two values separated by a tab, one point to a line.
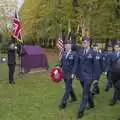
17	28
60	46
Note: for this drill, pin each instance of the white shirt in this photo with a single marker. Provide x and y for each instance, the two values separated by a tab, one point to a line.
67	54
118	54
86	50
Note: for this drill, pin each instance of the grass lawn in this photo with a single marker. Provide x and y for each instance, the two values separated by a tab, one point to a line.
36	97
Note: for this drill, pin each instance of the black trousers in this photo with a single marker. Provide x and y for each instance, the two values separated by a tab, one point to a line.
116	85
11	73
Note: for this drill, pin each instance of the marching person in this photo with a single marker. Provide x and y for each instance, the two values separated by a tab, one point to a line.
115	63
97	69
69	62
107	65
11	62
85	71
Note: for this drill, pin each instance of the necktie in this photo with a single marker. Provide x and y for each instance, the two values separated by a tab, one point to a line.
117	54
67	53
84	51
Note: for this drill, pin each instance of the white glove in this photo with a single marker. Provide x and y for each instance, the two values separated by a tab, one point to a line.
72	76
105	73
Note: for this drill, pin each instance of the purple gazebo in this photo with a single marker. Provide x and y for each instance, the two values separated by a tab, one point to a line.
34	57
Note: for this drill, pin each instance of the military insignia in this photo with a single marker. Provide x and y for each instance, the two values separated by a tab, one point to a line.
71	57
104	58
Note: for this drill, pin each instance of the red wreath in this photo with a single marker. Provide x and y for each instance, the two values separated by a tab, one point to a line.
56	74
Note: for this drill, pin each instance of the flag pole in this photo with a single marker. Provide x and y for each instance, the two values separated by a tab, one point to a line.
59	45
19	40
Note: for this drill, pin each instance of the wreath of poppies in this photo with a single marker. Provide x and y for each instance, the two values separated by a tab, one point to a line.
56	74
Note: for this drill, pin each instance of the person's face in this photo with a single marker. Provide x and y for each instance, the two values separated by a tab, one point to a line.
86	44
67	47
116	48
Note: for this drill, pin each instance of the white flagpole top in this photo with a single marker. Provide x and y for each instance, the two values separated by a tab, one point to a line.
19	4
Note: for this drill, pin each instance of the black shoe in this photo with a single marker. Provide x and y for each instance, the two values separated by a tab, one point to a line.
106	89
91	107
10	83
13	82
98	91
62	105
80	115
73	100
112	103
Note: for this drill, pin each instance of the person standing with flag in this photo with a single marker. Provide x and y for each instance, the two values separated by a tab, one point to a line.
15	36
11	60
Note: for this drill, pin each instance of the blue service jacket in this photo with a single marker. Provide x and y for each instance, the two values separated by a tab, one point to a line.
107	58
115	62
97	65
69	64
85	65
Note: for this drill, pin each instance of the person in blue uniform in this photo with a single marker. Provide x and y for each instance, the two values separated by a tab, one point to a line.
107	66
69	62
85	71
115	66
97	69
11	62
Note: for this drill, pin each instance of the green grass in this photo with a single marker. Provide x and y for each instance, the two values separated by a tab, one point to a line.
36	97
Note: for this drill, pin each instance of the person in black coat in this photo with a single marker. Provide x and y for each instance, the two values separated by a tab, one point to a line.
11	62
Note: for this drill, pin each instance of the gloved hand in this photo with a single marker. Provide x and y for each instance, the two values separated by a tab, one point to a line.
105	73
72	76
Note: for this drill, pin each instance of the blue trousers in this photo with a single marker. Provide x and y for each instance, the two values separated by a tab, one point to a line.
116	85
116	95
69	92
109	81
87	97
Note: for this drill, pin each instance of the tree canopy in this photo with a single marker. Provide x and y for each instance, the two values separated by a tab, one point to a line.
45	19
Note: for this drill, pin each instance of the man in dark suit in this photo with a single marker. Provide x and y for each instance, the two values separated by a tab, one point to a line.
11	62
69	62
